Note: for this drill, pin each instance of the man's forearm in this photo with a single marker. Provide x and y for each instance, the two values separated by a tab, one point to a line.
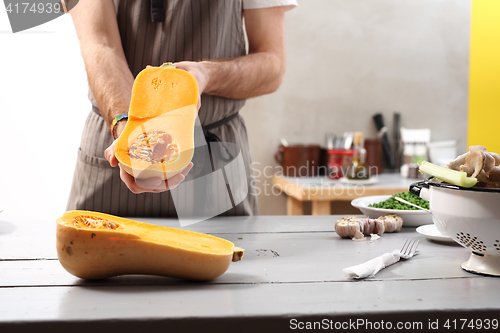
244	77
110	80
261	71
108	73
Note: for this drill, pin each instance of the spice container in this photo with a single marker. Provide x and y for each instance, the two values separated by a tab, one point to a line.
346	160
358	169
335	163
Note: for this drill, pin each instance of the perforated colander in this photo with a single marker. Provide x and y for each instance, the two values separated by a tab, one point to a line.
471	216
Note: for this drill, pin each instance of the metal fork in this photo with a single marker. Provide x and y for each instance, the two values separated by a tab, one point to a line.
372	267
409	248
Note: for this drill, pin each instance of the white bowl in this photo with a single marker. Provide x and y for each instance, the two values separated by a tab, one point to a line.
411	218
471	216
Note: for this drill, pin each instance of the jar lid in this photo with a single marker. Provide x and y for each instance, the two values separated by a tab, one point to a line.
335	151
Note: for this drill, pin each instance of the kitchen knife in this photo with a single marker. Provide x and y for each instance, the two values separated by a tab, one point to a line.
397	139
388	156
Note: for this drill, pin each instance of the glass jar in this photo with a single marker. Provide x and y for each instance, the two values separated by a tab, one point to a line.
334	163
346	160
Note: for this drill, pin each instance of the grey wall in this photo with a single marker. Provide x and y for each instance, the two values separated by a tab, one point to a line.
349	59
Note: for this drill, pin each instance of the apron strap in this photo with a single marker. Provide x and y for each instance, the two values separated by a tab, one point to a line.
220	122
211	137
158	10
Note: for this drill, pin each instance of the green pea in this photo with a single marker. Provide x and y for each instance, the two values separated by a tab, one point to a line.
392	203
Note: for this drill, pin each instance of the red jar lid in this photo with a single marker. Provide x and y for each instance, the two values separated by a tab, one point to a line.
334	151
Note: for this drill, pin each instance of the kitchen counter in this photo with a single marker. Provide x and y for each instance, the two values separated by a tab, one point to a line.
290	276
322	190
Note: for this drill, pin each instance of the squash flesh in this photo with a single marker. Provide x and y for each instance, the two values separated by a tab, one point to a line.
157	91
130	247
181	136
164	100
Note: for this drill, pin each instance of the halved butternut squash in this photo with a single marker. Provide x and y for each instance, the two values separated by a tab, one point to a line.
94	245
158	139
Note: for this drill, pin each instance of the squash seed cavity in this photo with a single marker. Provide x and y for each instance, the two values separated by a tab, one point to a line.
154	147
93	222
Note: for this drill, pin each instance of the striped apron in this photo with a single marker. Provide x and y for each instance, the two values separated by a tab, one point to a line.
191	30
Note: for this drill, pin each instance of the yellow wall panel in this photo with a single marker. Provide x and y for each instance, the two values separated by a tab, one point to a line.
484	77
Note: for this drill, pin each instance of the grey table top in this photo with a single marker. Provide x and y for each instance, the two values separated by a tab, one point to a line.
290	276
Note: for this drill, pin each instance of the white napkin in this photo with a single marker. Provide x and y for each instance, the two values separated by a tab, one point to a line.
371	267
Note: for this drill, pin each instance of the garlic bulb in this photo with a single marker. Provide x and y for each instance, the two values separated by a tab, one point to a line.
348	227
357	227
392	222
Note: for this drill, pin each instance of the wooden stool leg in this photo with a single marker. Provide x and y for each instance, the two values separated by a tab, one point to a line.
321	208
294	206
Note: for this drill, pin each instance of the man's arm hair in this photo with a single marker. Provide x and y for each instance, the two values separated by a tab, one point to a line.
108	73
261	71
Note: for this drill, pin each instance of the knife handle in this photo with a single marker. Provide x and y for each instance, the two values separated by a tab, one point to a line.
379	122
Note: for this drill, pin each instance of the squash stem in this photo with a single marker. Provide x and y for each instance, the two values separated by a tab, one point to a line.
237	253
167	65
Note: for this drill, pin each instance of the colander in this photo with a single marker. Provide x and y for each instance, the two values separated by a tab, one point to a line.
471	216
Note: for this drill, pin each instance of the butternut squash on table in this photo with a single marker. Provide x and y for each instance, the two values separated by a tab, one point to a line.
93	245
158	139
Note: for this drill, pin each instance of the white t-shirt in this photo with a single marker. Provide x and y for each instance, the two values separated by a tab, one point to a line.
255	4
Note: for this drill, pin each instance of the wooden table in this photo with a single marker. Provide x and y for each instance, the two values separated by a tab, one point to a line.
322	190
290	276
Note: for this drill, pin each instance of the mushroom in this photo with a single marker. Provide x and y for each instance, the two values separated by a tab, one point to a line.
473	162
494	175
496	157
482	177
478	163
489	162
456	163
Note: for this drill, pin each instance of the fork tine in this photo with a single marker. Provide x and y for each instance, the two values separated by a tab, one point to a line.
414	247
409	248
404	248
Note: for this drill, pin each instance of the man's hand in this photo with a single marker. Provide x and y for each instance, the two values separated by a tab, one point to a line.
110	78
196	69
154	185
